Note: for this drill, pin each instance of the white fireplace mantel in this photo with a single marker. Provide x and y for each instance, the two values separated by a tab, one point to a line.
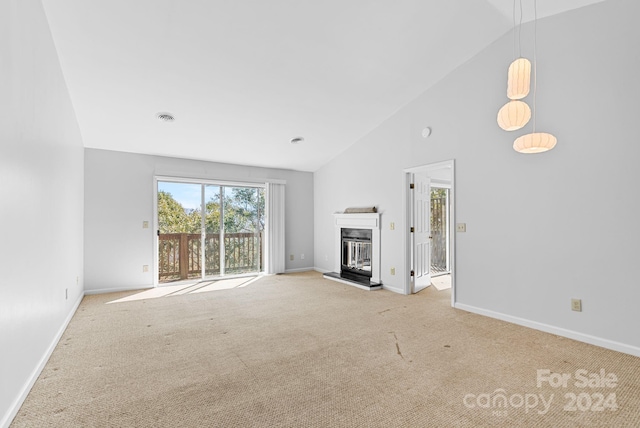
369	221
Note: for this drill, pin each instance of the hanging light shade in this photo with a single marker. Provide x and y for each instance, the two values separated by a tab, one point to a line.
519	79
514	115
536	142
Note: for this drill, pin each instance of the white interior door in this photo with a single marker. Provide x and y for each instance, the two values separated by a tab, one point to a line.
421	232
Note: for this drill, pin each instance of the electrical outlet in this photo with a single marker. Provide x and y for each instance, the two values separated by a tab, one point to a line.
302	256
576	305
392	226
291	257
393	271
145	268
66	294
461	227
326	258
145	225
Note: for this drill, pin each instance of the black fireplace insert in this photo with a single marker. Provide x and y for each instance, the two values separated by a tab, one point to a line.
356	254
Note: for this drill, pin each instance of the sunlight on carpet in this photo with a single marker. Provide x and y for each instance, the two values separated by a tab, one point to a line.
442	282
178	290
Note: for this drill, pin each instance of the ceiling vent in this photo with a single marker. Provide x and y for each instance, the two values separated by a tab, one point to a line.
165	117
297	140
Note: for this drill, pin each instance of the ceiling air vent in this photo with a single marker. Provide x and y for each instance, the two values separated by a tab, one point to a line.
297	140
165	117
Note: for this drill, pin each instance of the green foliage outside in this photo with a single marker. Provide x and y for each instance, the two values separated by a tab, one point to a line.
438	192
241	211
438	210
172	218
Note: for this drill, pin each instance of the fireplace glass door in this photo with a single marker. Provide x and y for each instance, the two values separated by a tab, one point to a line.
356	254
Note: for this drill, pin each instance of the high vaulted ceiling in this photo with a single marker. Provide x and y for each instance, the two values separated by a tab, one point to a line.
243	77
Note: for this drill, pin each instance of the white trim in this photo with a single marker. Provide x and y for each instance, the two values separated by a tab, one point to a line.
407	206
117	290
252	182
17	403
155	272
440	184
581	337
452	232
392	289
435	165
305	269
317	269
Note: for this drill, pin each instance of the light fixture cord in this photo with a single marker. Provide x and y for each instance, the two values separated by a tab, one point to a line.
520	33
517	32
535	60
514	29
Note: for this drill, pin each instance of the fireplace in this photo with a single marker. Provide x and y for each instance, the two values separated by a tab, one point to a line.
357	250
355	254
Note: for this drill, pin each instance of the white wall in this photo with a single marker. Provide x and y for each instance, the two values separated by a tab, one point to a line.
41	171
119	197
541	229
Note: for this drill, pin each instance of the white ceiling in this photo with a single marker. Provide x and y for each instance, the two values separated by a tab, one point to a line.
243	77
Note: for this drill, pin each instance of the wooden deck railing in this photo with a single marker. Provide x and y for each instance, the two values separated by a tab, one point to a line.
180	254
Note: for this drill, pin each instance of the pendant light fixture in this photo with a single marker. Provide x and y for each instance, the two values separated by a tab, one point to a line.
515	114
519	79
536	142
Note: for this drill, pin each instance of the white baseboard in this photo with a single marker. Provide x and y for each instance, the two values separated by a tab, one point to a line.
116	290
306	269
317	269
581	337
15	406
394	289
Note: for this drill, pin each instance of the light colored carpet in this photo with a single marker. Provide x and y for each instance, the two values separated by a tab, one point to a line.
300	351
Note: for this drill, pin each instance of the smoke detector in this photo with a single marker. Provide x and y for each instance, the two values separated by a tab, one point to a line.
297	140
165	117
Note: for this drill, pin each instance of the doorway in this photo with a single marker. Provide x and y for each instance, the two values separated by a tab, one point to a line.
430	214
207	229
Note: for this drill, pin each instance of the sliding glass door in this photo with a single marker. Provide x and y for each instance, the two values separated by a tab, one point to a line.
226	240
179	231
212	253
243	214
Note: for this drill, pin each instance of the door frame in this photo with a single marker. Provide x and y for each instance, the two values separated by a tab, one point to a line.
192	180
408	208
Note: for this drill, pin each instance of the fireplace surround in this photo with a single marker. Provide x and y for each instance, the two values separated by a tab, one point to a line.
357	244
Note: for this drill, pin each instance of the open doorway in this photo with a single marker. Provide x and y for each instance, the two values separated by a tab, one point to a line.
430	214
440	263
